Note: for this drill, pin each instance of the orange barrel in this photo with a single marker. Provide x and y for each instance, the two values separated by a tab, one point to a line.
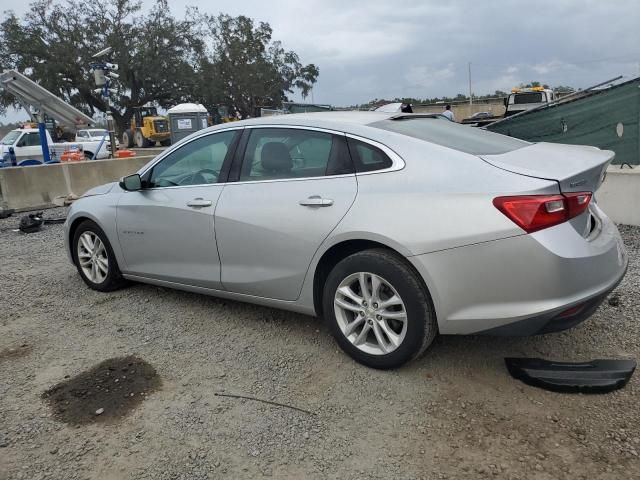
71	156
125	153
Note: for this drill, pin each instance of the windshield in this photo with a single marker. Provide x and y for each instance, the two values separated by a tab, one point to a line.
452	135
523	98
148	112
10	138
97	133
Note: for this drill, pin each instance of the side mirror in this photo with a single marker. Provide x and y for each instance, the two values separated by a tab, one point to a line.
131	183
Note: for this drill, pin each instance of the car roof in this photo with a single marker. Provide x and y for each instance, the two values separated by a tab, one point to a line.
350	117
356	122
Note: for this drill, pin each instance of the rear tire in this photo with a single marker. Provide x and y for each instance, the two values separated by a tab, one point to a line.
94	258
166	143
398	322
127	138
141	141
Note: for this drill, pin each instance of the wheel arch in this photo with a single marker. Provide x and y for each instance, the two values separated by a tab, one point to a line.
73	227
341	250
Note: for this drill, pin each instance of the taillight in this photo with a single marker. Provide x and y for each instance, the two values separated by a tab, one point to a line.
536	212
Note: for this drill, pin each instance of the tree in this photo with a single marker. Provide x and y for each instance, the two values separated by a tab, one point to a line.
533	84
53	44
243	69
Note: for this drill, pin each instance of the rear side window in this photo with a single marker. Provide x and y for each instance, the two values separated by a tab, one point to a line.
31	140
463	138
366	157
287	153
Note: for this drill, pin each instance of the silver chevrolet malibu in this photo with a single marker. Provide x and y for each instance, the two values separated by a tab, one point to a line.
393	227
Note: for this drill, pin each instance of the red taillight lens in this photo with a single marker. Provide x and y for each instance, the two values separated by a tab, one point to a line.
535	212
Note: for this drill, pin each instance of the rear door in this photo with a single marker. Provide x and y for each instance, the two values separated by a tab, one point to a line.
293	187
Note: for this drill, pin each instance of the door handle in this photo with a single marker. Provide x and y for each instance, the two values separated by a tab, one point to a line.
199	203
316	201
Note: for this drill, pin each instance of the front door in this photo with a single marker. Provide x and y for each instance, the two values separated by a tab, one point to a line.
30	146
294	187
167	230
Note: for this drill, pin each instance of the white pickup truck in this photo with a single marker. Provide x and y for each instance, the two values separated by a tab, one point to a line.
26	145
94	135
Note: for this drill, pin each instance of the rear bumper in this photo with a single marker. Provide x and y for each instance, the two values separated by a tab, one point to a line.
524	285
554	321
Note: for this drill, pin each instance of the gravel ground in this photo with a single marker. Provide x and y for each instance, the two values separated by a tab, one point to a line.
454	414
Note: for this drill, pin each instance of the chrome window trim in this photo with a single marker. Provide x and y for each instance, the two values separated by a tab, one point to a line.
296	127
397	163
301	179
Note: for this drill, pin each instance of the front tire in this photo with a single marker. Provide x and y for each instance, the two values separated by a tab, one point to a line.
94	258
378	310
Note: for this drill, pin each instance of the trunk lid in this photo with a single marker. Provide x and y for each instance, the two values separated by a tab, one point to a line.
576	168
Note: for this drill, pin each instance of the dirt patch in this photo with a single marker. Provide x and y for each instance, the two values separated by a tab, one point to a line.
105	393
15	352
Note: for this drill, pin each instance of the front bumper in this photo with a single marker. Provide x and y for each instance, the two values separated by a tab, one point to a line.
523	285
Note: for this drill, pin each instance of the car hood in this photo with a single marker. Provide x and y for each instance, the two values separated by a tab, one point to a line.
100	190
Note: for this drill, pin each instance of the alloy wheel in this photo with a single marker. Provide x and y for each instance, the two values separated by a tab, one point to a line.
92	257
370	313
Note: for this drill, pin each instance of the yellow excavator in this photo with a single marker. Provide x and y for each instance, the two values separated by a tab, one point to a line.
146	129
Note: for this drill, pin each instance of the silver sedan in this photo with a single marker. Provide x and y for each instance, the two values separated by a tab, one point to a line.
393	227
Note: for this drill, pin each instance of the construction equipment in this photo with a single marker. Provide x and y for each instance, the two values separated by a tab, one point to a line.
146	129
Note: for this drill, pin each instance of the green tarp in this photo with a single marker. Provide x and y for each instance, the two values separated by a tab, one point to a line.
608	119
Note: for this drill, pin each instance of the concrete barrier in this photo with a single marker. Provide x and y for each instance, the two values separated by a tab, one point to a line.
463	110
619	195
27	188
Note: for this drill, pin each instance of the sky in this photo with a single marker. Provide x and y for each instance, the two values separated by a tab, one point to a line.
368	49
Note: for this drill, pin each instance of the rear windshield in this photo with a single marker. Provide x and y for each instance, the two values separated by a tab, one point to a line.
453	135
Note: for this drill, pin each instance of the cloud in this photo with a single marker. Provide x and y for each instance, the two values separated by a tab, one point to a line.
549	66
377	48
424	77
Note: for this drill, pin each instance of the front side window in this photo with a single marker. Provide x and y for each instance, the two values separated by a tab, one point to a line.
279	153
197	163
31	140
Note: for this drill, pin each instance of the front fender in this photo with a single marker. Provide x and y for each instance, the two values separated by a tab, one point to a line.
100	209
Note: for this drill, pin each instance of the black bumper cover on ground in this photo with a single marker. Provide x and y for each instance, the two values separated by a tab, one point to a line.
596	376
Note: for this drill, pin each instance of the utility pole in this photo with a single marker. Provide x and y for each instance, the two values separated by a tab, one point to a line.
103	73
470	94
